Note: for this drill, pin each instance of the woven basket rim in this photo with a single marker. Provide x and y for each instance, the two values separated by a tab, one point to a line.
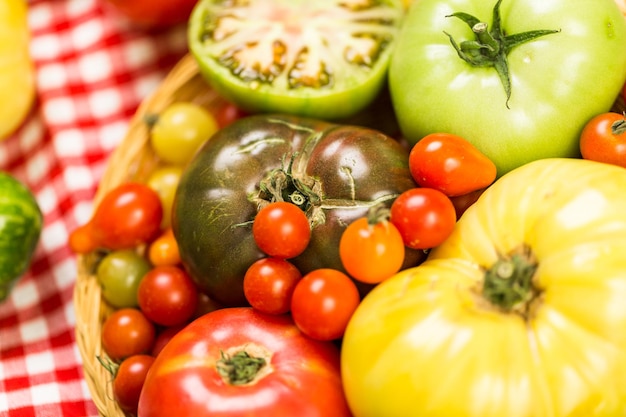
183	83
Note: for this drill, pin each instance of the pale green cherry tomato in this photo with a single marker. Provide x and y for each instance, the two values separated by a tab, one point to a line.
119	274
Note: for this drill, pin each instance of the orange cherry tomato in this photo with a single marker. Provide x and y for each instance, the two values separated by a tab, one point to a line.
164	250
371	250
450	164
603	139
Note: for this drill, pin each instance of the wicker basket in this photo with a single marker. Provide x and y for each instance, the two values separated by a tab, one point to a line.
132	160
184	83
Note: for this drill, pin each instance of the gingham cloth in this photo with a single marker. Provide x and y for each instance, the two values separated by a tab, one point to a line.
93	70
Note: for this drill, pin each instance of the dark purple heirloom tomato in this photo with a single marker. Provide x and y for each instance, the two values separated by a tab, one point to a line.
333	172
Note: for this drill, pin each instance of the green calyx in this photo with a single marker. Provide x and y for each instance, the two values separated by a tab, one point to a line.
509	285
619	126
240	368
491	47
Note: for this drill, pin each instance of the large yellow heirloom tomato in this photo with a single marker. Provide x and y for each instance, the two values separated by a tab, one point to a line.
17	78
520	313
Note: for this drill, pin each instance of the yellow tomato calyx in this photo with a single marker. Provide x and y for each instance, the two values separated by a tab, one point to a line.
509	283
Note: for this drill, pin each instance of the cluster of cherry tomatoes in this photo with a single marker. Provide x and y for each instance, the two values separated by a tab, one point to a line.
141	273
139	267
371	248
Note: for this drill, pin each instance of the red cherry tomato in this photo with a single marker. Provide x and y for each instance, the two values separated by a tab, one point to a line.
603	139
369	252
127	332
450	164
129	380
281	230
127	216
167	295
269	283
425	217
323	302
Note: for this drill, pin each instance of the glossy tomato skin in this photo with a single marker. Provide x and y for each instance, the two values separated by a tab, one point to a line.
167	295
450	164
551	97
281	229
128	215
371	252
600	142
129	380
212	216
323	302
127	332
269	284
425	217
431	333
302	380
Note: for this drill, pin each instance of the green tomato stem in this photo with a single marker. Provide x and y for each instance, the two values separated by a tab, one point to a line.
619	126
508	283
490	48
240	368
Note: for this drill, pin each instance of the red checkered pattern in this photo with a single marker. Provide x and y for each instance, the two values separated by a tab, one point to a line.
93	70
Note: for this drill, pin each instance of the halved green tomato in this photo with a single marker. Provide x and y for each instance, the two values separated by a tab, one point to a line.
320	58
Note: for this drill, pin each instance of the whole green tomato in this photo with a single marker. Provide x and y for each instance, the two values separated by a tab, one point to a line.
520	88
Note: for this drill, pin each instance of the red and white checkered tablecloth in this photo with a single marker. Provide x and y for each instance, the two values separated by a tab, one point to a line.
93	70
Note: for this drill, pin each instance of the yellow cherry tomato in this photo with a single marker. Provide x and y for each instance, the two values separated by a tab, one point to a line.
17	75
519	313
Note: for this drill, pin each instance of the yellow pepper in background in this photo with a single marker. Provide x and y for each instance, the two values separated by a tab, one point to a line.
17	75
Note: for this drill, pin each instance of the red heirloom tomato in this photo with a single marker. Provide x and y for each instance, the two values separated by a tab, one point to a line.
450	164
603	139
333	172
238	362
